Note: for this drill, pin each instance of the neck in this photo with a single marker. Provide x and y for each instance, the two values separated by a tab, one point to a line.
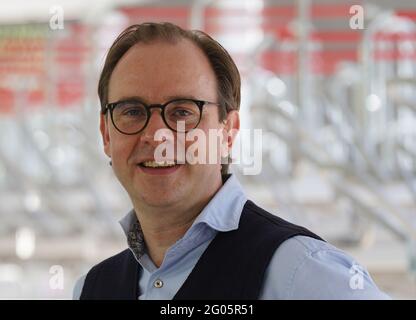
164	226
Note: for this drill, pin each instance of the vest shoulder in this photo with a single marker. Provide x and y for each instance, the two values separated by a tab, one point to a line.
112	262
264	221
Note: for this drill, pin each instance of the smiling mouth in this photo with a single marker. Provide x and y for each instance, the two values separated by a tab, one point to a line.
154	164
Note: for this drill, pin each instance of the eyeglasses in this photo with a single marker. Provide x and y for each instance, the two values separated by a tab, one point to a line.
180	115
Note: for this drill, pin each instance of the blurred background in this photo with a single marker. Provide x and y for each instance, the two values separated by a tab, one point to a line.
334	96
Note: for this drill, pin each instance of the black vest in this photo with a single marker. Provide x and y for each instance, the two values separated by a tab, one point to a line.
232	266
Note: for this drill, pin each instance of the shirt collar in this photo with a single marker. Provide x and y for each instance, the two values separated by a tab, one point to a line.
222	213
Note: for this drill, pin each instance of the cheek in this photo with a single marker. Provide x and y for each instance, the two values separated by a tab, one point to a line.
217	137
206	149
121	146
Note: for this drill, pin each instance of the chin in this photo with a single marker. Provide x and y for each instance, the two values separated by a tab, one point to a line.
160	200
160	195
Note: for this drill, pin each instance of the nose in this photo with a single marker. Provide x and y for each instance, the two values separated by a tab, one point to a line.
155	123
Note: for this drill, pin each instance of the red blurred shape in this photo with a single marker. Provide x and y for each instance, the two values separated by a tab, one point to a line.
153	12
70	93
6	100
411	14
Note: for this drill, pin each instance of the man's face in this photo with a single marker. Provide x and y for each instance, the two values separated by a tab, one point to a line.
156	72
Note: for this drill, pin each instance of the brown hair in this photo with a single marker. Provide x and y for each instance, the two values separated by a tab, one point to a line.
226	72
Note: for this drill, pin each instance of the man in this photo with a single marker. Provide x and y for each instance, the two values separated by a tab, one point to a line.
193	234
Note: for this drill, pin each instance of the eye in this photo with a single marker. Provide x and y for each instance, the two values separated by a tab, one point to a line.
133	112
182	109
130	110
182	113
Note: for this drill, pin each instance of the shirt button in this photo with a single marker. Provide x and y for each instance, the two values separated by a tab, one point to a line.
158	283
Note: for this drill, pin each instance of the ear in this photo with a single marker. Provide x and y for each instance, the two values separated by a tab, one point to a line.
231	129
104	133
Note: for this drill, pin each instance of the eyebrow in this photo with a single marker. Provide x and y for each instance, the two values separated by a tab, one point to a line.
168	98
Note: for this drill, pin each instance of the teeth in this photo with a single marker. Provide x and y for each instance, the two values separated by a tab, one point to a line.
154	164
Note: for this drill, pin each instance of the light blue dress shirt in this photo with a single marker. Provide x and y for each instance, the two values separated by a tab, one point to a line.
301	268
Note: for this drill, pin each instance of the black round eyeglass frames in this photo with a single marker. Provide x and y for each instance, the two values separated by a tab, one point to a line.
132	116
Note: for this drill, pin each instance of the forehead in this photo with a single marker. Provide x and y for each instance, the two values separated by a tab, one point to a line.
162	69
